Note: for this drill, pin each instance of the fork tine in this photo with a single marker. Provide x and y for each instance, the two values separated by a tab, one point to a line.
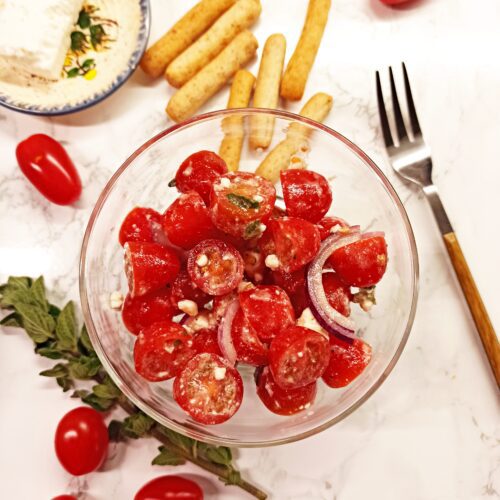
384	122
411	106
398	117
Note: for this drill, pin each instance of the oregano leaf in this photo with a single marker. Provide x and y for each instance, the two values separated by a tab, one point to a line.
83	19
58	370
13	320
115	431
66	328
84	367
137	425
179	440
37	292
97	403
167	457
233	477
216	454
85	342
49	352
65	383
39	325
106	391
242	201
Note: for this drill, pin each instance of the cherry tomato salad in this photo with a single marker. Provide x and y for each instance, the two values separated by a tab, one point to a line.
224	276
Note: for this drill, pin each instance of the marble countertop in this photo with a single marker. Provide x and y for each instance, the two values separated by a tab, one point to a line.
432	430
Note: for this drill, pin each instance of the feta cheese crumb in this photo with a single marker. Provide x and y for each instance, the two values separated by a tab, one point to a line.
272	261
225	182
307	320
116	300
219	372
202	260
336	228
258	198
188	306
188	171
262	227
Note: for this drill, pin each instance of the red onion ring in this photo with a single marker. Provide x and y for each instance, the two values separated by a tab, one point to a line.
329	318
224	337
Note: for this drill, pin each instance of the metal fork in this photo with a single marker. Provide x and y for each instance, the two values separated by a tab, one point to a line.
411	159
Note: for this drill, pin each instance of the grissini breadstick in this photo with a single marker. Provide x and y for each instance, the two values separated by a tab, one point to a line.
241	91
300	64
316	108
239	17
182	34
267	90
189	98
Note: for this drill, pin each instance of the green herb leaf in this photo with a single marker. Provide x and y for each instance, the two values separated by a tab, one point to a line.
252	230
83	19
58	370
234	477
78	44
137	425
98	403
177	439
217	454
39	325
84	344
72	73
107	390
88	64
37	292
49	352
16	290
65	383
167	457
115	431
172	183
54	311
97	35
13	320
242	201
66	328
84	367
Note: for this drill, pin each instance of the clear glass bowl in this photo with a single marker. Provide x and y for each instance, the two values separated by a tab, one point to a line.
361	194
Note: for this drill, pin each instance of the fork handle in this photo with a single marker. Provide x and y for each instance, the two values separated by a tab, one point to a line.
476	306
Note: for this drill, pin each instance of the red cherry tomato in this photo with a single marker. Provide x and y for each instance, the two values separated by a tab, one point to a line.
249	349
162	350
183	288
296	242
209	389
395	2
290	282
240	203
81	441
142	224
298	356
362	263
170	488
338	295
140	312
268	310
65	497
255	267
187	222
283	401
215	267
328	224
348	359
49	168
198	172
149	267
307	194
205	340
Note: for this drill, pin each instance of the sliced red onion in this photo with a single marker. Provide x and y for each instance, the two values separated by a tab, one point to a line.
328	317
373	234
224	334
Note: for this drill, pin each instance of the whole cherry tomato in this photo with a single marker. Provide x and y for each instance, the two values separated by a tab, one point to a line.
65	497
171	488
81	441
49	168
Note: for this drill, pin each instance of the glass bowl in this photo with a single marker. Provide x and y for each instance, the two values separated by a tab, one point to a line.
361	195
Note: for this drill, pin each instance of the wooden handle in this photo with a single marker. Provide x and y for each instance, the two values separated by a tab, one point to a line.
476	306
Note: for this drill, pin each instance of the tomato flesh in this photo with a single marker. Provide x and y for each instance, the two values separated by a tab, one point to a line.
249	349
283	401
215	267
209	389
205	340
149	266
307	194
348	359
362	263
241	203
268	310
140	312
327	225
198	172
81	441
142	224
298	356
162	350
338	295
170	488
183	288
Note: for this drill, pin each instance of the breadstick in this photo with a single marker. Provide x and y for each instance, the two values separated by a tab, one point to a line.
317	108
189	98
239	17
182	34
267	90
241	91
300	64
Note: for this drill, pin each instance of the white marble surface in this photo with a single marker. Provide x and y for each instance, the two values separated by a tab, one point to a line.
432	431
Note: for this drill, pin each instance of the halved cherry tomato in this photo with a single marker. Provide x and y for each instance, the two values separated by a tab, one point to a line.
140	312
198	172
149	266
209	389
65	497
183	288
296	242
49	168
241	203
290	282
162	350
307	194
348	359
255	267
298	356
268	310
338	295
142	224
362	263
81	441
283	401
186	221
249	349
205	340
215	267
328	224
170	488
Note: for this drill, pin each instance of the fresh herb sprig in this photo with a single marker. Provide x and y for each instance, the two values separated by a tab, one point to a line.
56	336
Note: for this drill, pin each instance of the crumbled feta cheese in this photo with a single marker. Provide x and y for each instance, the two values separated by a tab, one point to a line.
188	171
116	300
336	228
245	285
262	227
272	261
224	181
202	260
219	372
258	198
307	320
188	306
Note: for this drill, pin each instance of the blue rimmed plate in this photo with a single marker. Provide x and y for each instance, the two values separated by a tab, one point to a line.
120	34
